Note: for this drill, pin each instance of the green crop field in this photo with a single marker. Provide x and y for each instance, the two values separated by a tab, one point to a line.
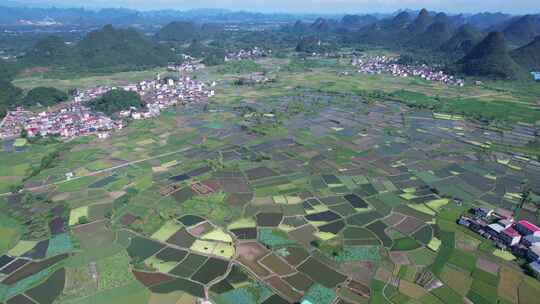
347	186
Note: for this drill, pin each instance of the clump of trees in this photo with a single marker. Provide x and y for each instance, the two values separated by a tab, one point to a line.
115	101
44	96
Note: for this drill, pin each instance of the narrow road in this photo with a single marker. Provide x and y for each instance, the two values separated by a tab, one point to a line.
93	173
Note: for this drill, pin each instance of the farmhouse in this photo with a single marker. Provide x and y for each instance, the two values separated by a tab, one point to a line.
482	212
530	240
527	228
533	254
510	236
495	229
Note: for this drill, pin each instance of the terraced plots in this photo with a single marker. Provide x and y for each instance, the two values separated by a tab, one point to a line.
333	204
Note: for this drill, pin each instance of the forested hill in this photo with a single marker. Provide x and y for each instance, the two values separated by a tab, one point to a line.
529	56
9	94
490	58
107	49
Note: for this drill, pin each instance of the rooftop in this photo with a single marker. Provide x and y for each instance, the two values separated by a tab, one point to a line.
535	266
496	227
511	232
528	225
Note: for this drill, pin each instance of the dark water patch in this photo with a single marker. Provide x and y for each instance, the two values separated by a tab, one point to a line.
378	228
171	255
245	233
199	171
5	259
259	173
330	179
221	287
269	219
211	270
321	273
326	216
334	227
182	238
275	299
39	251
14	266
47	292
366	190
191	220
103	182
356	201
189	265
183	194
142	248
20	299
180	178
194	289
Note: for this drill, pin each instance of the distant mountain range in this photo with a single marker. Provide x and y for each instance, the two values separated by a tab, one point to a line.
486	44
11	15
478	45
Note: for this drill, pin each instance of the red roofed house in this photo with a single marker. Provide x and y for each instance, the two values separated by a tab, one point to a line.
526	228
510	236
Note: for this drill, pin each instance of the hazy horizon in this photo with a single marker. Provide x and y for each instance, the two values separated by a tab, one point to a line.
311	6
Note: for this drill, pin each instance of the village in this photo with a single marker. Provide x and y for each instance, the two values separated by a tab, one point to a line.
521	238
75	118
255	52
390	65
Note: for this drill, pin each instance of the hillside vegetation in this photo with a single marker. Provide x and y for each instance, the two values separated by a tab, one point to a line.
115	101
107	49
490	58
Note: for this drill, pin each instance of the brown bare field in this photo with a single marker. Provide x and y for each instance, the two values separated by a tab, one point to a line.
487	265
411	290
409	225
510	280
249	254
277	265
284	289
151	278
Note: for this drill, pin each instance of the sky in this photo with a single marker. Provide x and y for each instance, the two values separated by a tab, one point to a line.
310	6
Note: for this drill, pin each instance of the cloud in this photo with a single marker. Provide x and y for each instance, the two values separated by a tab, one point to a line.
313	6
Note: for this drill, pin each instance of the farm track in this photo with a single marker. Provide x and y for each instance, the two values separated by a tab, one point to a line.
94	173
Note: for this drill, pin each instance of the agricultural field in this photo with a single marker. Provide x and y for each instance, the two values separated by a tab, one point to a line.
306	190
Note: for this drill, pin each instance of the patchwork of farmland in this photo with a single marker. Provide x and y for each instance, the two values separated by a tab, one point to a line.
346	201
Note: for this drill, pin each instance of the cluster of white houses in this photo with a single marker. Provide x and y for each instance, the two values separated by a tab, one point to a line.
522	237
75	119
70	121
159	94
391	65
255	52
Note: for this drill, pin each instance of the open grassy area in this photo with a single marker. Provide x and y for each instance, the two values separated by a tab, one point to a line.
77	214
9	232
84	82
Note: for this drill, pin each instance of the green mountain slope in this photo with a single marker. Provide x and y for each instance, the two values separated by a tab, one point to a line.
523	30
106	49
178	31
421	23
462	42
490	58
528	56
434	36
